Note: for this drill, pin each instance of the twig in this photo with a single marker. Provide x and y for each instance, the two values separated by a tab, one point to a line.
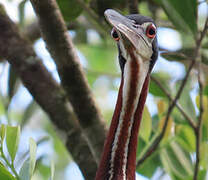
187	117
90	11
201	108
156	142
198	128
102	25
133	6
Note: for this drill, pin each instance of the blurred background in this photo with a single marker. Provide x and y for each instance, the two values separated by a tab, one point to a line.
98	56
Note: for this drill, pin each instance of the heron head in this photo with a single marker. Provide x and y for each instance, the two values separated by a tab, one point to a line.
134	34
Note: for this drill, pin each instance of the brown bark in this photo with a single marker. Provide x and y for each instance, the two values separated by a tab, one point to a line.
45	90
60	46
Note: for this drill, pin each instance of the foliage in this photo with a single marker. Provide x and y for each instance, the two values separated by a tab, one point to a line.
7	167
176	154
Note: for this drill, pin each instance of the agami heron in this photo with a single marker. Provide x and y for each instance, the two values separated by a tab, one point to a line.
137	45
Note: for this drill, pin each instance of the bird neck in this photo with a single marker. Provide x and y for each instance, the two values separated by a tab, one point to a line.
118	160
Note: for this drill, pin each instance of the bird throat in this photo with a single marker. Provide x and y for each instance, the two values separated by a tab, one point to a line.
118	161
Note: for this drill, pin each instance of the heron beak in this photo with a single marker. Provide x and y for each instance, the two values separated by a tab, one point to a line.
133	34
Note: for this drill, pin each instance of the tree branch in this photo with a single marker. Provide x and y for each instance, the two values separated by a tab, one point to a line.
91	13
100	25
61	48
201	108
186	116
198	128
45	90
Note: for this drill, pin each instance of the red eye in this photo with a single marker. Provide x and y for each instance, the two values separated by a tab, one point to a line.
114	34
151	31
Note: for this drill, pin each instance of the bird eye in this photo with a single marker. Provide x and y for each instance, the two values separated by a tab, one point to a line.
114	34
151	31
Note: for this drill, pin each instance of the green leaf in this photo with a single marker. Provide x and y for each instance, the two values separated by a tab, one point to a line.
70	9
176	161
166	161
204	99
12	140
146	125
5	174
183	157
204	116
206	87
2	110
184	54
161	108
173	56
186	137
25	171
164	79
52	170
185	100
30	109
149	166
155	90
205	45
100	58
202	174
183	14
2	132
21	10
2	9
100	61
205	104
43	169
206	90
204	155
33	149
168	128
41	140
204	58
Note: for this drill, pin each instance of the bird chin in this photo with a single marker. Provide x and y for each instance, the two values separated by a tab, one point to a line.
144	53
138	43
142	48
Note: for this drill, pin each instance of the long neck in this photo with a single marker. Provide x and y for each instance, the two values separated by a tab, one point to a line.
118	160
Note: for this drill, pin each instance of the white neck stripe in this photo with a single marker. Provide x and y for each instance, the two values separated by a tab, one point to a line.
142	72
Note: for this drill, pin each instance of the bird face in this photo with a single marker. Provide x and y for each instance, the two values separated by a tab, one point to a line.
134	33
